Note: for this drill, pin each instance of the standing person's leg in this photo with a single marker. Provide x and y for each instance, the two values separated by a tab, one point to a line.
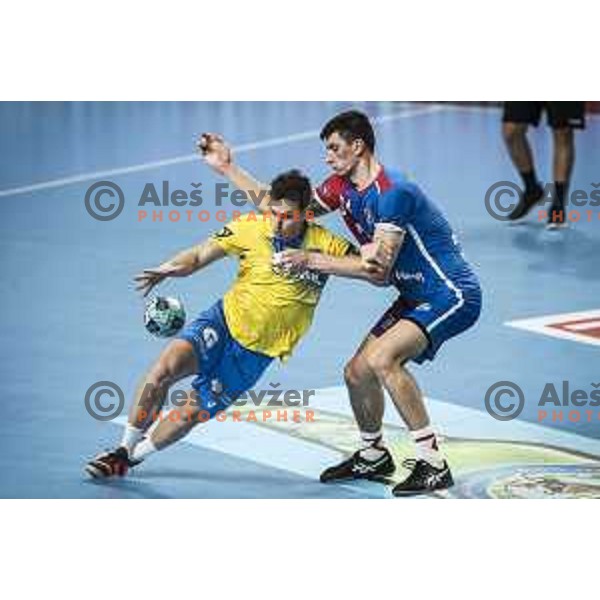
366	398
366	395
417	335
515	121
387	359
373	460
563	117
365	389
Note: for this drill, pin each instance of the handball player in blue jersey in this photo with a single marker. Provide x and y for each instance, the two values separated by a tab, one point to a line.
403	234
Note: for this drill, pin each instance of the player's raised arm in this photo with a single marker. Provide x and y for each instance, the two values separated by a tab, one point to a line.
181	265
218	155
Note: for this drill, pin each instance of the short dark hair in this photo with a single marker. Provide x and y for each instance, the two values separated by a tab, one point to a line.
294	186
351	125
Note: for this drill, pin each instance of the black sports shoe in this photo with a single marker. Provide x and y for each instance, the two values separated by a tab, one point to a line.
424	478
357	467
527	201
557	216
111	464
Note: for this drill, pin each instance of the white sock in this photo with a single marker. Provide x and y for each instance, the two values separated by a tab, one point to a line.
143	449
427	446
131	436
373	445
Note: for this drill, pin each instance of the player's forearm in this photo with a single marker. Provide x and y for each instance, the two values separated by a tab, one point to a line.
193	259
257	192
347	266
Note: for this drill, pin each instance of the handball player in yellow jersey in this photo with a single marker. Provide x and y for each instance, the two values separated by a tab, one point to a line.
229	346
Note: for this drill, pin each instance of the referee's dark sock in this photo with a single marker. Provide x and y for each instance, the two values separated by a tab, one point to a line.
530	181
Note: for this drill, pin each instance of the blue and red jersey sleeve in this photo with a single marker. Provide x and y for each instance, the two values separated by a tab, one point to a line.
329	193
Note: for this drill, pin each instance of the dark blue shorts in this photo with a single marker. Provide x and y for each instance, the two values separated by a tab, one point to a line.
225	368
440	317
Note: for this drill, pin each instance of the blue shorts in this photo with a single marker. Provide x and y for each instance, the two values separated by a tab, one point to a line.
440	317
225	368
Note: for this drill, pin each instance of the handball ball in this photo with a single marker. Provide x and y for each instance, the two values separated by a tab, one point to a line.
164	317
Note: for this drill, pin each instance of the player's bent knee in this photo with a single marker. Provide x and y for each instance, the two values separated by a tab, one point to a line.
357	372
382	363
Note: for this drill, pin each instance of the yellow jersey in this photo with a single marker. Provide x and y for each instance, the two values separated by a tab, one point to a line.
266	310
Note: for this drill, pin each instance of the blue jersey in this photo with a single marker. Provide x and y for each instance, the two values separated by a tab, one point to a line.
430	264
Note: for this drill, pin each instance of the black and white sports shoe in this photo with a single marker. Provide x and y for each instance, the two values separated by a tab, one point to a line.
424	478
357	467
527	201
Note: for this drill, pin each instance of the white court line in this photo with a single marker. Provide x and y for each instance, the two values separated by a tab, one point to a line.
541	325
187	158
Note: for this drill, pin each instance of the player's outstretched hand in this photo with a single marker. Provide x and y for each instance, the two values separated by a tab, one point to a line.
149	278
215	152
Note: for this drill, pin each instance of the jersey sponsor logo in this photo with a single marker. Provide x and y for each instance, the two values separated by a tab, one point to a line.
311	278
416	277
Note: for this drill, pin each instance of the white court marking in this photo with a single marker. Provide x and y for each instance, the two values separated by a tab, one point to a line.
186	158
576	333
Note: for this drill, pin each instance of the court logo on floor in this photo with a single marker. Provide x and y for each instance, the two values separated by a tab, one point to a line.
582	327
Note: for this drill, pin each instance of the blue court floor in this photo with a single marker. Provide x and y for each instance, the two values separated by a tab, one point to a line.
70	316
